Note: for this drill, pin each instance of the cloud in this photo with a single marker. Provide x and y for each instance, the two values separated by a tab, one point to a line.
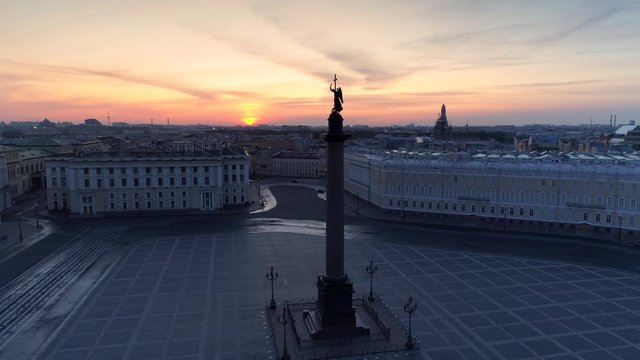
117	75
579	26
550	84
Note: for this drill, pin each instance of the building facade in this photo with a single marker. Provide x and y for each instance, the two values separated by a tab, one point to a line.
154	182
5	194
298	164
582	192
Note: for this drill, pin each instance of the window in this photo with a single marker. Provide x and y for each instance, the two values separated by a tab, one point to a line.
183	169
124	182
597	217
621	203
160	180
86	183
159	170
137	205
184	204
112	196
206	180
148	181
173	204
632	204
112	183
184	180
99	183
521	212
124	196
112	206
510	211
172	181
160	194
147	170
184	194
110	171
530	212
124	206
171	169
123	171
148	204
86	171
160	204
233	179
135	171
608	219
136	182
195	169
195	180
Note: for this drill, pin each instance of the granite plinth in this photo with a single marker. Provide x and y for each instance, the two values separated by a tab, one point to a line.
376	331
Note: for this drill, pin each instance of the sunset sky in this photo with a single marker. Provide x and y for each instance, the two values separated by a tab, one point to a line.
271	61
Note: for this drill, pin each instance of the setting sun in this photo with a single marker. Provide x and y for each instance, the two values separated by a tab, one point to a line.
249	120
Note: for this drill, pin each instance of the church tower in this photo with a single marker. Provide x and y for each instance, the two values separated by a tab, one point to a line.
442	130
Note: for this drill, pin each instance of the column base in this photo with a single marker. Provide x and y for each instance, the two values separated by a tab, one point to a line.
335	304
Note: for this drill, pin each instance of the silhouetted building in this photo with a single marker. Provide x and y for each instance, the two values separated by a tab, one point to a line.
92	122
442	129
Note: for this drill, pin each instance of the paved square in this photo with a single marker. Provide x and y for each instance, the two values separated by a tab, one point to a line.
203	297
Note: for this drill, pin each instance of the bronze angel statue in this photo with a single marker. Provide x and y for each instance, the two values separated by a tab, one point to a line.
337	98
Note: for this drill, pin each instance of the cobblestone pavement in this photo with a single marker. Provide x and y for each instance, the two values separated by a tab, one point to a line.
203	297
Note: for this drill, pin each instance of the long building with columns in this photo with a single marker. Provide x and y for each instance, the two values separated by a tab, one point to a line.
147	182
590	194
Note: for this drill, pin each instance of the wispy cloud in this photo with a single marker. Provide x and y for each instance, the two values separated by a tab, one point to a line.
571	28
550	84
117	75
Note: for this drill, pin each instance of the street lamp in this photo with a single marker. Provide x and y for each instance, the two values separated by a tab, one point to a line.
20	224
620	229
272	277
410	307
371	269
284	322
37	219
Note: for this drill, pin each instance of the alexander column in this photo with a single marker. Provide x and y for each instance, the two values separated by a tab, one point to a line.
335	289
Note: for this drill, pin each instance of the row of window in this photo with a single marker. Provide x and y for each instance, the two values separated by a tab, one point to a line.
492	210
161	204
475	179
521	197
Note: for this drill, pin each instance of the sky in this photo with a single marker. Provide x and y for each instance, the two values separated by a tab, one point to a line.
272	61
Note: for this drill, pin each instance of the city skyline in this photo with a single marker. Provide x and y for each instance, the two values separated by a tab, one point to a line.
229	63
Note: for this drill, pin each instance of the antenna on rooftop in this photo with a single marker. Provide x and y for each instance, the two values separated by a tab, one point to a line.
151	121
167	121
108	118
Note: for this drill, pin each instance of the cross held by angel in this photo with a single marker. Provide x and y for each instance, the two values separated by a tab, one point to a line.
337	96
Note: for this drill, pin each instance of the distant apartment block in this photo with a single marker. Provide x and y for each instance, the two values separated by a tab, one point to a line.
147	182
298	164
589	193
